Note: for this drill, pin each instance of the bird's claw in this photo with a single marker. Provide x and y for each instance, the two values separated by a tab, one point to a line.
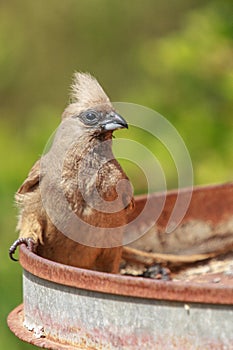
29	242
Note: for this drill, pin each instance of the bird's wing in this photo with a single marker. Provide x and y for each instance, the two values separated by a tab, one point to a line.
32	181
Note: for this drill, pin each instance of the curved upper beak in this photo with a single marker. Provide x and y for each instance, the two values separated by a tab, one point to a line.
113	121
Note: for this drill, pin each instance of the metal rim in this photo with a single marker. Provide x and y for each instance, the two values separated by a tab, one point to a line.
15	323
124	285
204	291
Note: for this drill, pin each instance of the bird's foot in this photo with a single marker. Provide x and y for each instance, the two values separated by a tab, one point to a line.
158	272
29	242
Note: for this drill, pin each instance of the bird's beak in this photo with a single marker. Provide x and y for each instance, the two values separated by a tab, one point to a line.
113	121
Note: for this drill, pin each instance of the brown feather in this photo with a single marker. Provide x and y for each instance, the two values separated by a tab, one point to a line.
89	151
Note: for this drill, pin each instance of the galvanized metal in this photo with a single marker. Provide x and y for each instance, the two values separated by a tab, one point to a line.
71	308
94	320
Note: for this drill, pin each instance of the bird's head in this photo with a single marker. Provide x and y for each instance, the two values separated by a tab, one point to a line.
91	107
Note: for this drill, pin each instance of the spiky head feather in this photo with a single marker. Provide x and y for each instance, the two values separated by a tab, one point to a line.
86	93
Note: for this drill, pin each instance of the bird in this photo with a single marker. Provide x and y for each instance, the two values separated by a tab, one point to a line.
76	199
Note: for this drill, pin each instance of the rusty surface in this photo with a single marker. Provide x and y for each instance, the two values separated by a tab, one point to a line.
127	285
15	322
209	203
206	227
212	202
60	317
65	305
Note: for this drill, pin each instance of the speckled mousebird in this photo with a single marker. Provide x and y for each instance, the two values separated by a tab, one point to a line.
80	164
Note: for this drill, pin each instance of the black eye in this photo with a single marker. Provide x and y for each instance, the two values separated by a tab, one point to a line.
90	117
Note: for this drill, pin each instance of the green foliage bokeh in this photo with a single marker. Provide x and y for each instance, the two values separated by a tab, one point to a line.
174	57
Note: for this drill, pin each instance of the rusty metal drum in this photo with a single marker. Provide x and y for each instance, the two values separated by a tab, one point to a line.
70	308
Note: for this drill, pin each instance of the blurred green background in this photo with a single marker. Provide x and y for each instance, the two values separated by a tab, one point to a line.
172	56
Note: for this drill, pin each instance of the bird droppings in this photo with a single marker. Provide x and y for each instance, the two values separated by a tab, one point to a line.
216	280
187	308
37	330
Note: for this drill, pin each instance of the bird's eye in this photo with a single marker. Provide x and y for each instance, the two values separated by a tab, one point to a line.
90	117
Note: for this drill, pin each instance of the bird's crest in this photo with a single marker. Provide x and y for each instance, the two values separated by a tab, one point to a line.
87	92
